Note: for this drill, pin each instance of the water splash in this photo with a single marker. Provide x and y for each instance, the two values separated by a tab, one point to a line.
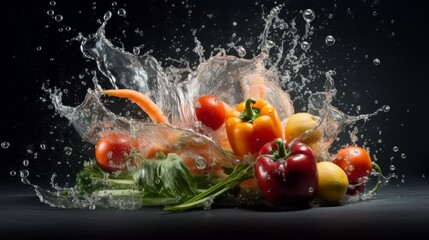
231	78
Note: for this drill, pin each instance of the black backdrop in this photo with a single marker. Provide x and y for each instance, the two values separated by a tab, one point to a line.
393	31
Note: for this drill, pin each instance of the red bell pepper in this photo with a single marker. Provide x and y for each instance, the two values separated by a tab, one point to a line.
286	173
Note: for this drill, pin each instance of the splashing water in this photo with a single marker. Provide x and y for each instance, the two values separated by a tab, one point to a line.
174	90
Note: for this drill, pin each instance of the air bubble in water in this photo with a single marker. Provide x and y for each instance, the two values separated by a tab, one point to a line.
395	148
43	146
52	3
50	12
5	145
25	162
308	15
310	189
305	46
329	40
13	173
376	61
58	18
200	162
122	12
392	167
403	155
38	48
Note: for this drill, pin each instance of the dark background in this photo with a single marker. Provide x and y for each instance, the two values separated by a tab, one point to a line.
392	31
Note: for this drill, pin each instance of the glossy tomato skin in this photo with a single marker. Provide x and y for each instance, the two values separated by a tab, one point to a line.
112	150
357	164
289	181
210	110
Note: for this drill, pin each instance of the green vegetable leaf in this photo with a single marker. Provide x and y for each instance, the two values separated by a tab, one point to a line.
166	177
159	181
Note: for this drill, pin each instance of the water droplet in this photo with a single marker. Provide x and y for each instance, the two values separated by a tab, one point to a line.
308	15
269	44
200	162
241	51
329	40
376	61
385	108
392	167
58	18
110	154
25	162
305	46
68	150
107	15
157	181
122	12
52	3
5	145
403	155
38	48
136	50
50	12
395	148
13	173
24	173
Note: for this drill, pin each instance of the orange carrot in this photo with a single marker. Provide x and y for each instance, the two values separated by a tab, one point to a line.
145	103
250	183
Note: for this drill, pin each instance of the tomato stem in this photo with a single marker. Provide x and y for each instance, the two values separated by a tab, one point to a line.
378	169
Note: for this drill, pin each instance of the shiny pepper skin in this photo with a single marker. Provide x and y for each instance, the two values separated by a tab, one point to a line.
251	125
286	173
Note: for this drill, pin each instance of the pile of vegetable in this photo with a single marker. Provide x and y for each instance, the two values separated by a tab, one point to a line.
263	160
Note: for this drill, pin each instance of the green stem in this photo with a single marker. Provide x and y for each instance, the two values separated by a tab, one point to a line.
239	174
378	169
249	114
281	152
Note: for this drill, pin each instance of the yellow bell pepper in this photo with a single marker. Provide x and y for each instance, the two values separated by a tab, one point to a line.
252	124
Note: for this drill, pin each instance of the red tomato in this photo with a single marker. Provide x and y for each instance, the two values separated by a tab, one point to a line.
112	150
210	110
356	162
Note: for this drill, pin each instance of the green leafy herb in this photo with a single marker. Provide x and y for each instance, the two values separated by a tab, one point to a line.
160	181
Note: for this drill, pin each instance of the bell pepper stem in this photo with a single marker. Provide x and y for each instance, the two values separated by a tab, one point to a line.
378	169
249	114
281	152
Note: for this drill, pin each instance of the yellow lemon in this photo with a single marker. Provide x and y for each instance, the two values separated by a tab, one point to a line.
333	182
299	123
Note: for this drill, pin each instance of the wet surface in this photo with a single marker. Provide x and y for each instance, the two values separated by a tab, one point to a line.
396	211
